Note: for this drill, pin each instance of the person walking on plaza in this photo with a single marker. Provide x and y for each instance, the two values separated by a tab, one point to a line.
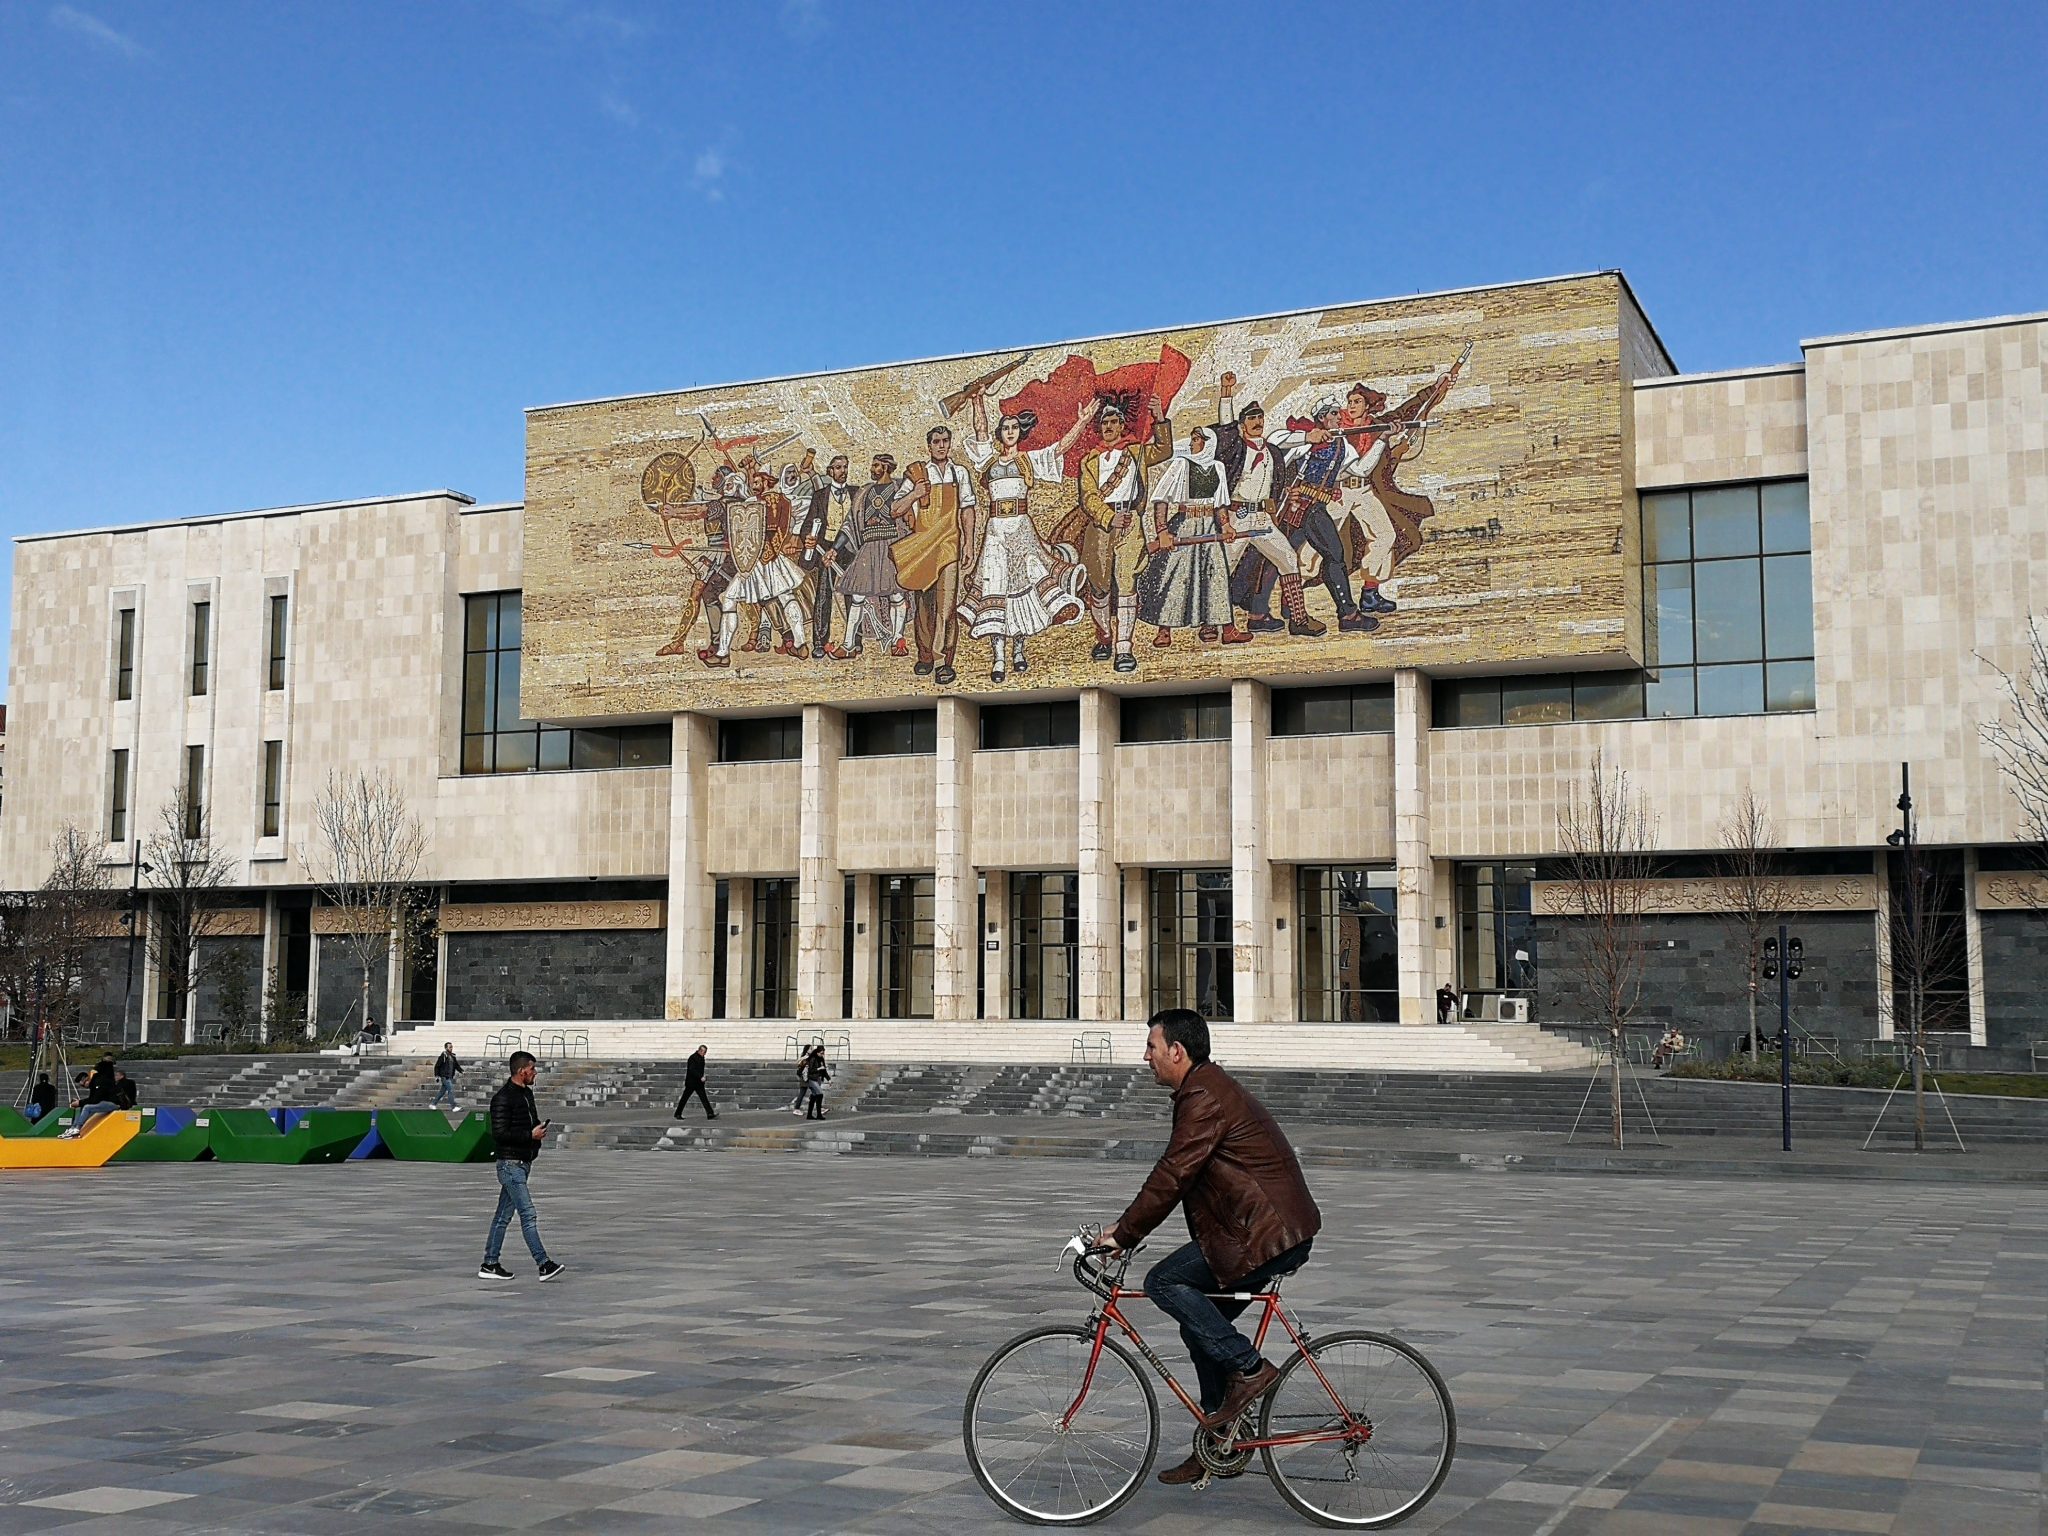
816	1076
447	1067
1248	1209
803	1077
517	1131
693	1082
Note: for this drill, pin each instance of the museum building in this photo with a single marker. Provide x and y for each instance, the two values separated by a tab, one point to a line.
934	693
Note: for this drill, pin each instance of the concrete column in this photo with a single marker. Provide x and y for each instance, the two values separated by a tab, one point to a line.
995	929
1251	875
1445	925
821	885
1136	947
955	938
1100	943
273	957
1888	1022
1283	986
865	939
1973	950
1416	875
738	940
692	889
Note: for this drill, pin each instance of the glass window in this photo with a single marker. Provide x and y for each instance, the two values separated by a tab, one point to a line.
1788	605
1724	522
280	626
273	788
1192	950
1333	711
202	646
1497	948
1787	522
1737	690
495	739
558	750
774	739
124	655
649	746
1729	620
1468	701
903	949
1011	727
1175	717
1667	608
1668	693
1788	685
892	733
1607	696
1350	970
1667	528
1045	932
774	936
117	797
1535	700
195	793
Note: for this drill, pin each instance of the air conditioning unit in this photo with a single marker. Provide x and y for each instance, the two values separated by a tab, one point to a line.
1514	1010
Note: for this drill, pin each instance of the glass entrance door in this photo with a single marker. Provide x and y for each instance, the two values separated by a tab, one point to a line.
1350	952
774	994
904	953
1191	942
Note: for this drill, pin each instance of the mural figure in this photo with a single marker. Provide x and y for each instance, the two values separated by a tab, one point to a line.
1019	588
1185	583
936	494
759	544
711	568
870	580
1393	531
1317	457
824	510
1112	541
1256	475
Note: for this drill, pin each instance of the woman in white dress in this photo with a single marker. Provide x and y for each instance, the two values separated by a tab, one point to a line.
1019	587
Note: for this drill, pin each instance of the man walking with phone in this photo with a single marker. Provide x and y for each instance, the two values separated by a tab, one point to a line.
517	1131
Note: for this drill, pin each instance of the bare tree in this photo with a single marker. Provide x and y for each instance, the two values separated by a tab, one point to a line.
2019	739
186	877
372	849
1753	893
52	938
1929	958
1607	831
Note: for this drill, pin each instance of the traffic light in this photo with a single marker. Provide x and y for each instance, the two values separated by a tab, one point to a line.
1795	959
1770	959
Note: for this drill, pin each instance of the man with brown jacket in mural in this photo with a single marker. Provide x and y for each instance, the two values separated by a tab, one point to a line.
1248	1208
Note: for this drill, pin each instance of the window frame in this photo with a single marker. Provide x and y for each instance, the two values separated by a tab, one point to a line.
272	822
119	793
1290	708
1201	712
202	647
863	728
195	791
1052	717
124	653
277	641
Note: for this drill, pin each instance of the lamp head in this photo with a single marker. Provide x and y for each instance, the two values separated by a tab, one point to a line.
1897	839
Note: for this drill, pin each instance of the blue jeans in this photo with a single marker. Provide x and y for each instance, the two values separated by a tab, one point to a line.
1178	1285
445	1091
513	1197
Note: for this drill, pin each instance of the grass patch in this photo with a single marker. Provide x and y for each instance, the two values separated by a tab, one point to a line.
1862	1074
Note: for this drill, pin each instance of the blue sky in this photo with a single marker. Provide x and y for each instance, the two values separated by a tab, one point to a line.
259	254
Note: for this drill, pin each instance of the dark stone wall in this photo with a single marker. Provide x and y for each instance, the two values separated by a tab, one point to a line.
2015	978
544	977
243	954
1694	975
340	985
105	988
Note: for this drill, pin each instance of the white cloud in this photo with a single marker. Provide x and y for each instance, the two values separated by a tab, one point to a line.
805	20
618	109
83	24
707	172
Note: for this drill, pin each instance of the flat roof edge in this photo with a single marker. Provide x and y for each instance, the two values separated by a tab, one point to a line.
1938	328
1082	341
1764	371
203	518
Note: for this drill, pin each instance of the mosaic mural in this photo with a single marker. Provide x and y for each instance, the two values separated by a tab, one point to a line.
1430	481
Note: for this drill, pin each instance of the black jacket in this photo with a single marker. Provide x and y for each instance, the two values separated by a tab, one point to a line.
446	1064
125	1094
693	1070
44	1098
513	1118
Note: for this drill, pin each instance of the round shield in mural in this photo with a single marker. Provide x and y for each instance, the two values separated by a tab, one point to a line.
669	480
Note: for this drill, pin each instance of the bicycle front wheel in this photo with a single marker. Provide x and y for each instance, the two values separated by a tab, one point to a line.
1360	1480
1045	1451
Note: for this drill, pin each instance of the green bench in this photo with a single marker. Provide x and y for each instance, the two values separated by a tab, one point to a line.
251	1136
426	1136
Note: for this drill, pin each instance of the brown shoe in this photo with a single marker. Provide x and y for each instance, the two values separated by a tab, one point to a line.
1189	1471
1244	1391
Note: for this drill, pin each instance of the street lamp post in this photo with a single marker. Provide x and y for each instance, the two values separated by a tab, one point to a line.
134	894
1902	840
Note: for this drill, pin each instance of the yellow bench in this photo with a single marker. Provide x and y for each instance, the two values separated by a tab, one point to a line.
108	1134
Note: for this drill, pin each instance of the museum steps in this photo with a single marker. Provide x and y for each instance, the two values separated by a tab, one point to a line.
1463	1047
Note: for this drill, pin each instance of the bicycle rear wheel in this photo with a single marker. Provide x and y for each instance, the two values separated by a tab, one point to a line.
1040	1469
1364	1483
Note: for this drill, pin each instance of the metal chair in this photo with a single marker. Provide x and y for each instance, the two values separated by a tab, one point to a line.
1091	1045
839	1043
2037	1052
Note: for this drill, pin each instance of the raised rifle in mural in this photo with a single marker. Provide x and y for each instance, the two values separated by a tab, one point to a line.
1384	522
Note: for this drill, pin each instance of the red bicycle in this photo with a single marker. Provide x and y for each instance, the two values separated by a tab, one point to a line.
1061	1426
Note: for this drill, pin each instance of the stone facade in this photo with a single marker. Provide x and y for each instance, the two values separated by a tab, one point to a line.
542	977
1926	455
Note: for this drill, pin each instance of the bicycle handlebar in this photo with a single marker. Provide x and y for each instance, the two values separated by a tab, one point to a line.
1098	1267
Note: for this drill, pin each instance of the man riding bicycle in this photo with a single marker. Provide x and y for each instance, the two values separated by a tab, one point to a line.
1248	1210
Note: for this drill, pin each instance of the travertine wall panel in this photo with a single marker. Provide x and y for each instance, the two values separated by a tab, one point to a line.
1173	803
1329	799
562	826
1026	809
753	827
886	809
1749	425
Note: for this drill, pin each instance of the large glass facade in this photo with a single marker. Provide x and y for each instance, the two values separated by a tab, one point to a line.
1349	948
1191	942
1045	933
903	953
774	958
1497	949
494	737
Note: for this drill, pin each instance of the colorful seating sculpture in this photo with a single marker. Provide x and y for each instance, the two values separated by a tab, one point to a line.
107	1135
426	1136
319	1136
169	1136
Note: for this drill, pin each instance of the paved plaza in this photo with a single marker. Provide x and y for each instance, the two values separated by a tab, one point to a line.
782	1343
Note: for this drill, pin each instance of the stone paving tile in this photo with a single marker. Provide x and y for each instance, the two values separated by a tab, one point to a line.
758	1344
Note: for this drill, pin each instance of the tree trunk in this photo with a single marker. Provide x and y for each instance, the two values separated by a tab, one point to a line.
1919	1079
1615	1044
1752	1015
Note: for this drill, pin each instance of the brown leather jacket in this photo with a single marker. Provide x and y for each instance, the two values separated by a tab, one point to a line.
1231	1169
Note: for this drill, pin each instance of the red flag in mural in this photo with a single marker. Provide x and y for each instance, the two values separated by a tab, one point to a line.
1144	392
